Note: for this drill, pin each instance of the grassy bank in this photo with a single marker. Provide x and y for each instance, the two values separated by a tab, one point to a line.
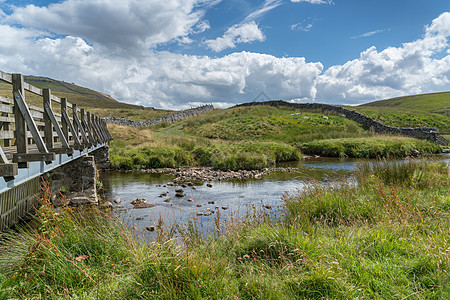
379	146
386	238
144	149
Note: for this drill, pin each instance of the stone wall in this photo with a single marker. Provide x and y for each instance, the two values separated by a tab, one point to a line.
167	119
427	133
76	180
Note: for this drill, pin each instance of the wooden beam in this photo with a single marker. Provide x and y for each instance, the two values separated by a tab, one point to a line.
64	122
3	159
49	113
8	170
101	129
29	122
48	128
62	150
28	157
6	77
78	125
76	140
21	127
86	128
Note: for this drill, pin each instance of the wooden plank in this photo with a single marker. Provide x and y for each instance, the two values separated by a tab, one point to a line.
6	77
8	170
56	99
101	129
71	128
6	108
6	119
21	127
32	89
27	157
6	100
23	110
48	128
58	129
3	159
91	124
5	135
78	126
35	108
86	127
64	122
62	150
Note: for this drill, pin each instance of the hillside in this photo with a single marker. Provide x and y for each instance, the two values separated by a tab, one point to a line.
98	103
426	110
438	103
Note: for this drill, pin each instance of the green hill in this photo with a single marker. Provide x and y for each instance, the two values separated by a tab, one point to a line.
438	103
426	110
98	103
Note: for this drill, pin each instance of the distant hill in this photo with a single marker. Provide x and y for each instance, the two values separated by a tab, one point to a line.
98	103
76	94
438	103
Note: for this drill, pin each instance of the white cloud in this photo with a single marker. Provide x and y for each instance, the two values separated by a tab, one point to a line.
314	1
409	69
367	34
267	6
122	24
302	27
168	80
236	34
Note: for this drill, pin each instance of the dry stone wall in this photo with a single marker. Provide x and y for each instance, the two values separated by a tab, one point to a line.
167	119
428	133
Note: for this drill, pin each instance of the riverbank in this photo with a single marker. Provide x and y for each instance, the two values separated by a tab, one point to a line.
385	238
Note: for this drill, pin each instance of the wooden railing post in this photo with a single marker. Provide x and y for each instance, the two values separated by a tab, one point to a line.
21	127
64	124
48	130
74	119
86	127
91	130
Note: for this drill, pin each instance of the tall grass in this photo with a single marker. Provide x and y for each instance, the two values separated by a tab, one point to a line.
385	238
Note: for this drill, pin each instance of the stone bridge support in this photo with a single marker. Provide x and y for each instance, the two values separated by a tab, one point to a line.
77	181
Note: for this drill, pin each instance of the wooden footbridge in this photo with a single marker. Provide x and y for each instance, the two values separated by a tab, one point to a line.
38	138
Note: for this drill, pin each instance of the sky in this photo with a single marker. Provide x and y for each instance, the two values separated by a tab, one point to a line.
176	54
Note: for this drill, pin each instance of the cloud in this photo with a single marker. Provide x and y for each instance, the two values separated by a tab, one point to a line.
122	24
314	1
409	69
236	34
305	25
267	6
367	34
168	80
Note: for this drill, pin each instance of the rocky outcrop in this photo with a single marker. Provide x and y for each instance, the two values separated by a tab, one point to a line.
427	133
167	119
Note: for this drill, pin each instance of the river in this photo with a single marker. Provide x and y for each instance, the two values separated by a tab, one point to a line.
233	199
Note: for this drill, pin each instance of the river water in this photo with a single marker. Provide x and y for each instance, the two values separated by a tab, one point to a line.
234	199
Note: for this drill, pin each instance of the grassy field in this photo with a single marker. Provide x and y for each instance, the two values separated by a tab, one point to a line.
386	238
427	110
253	138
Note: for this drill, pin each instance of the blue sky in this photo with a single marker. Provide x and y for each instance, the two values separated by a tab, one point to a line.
181	53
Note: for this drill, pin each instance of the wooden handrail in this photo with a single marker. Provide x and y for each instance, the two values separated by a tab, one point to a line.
40	127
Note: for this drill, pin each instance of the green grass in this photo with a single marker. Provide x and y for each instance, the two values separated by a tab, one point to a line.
379	146
426	110
386	238
431	103
253	138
